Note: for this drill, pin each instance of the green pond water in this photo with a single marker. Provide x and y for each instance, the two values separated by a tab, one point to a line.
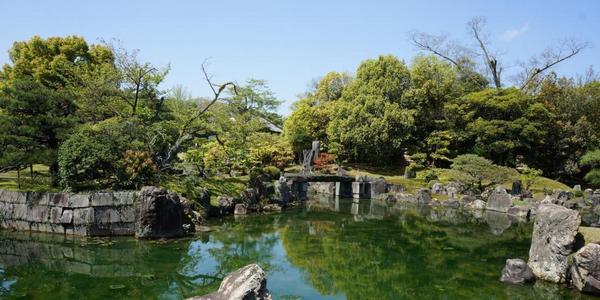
326	250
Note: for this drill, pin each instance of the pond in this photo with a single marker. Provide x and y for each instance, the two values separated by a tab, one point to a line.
328	249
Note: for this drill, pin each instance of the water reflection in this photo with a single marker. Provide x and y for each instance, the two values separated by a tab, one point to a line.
331	249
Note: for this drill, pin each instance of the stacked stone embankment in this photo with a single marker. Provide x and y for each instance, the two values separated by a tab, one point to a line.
93	214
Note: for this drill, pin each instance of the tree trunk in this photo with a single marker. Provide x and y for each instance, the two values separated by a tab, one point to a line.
19	177
31	171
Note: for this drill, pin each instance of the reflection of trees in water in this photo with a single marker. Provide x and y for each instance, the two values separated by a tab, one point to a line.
46	266
400	256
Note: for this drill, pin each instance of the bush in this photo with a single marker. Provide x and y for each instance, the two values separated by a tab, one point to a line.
430	176
93	156
272	171
139	168
477	172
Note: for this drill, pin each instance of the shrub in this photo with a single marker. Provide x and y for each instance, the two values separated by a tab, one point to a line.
430	176
139	168
92	156
477	172
272	171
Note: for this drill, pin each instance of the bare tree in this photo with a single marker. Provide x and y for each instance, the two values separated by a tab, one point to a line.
475	27
188	131
439	45
548	59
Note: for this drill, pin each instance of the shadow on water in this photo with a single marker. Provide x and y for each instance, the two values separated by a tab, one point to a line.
329	249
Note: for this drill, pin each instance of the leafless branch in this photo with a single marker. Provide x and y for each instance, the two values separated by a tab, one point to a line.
475	27
551	57
433	44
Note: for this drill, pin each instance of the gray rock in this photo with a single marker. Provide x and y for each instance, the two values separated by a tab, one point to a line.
437	188
499	200
225	206
423	196
577	188
389	198
452	192
240	209
460	187
159	214
247	283
516	271
377	187
469	199
552	242
585	271
273	207
282	190
479	204
394	188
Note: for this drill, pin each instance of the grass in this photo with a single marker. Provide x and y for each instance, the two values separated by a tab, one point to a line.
395	175
590	234
40	182
217	186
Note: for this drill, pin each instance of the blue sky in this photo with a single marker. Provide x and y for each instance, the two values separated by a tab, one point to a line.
289	43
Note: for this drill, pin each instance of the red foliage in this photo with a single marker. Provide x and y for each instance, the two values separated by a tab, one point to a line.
323	160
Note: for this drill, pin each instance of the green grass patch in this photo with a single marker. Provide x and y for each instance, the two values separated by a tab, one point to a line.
40	182
217	186
395	175
590	234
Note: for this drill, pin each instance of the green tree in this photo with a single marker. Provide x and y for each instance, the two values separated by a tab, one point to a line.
477	172
35	121
592	160
498	124
368	124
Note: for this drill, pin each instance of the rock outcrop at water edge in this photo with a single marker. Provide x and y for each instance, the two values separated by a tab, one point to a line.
159	214
585	271
247	283
552	242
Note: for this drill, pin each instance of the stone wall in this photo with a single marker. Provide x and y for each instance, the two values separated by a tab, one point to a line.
94	214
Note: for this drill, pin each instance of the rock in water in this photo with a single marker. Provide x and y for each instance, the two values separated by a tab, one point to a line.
249	282
516	271
552	241
159	214
585	271
499	200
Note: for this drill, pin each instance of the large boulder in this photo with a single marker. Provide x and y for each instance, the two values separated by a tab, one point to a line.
499	200
159	214
552	242
585	271
516	271
247	283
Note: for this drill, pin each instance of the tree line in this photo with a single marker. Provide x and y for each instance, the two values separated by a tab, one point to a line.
444	104
98	116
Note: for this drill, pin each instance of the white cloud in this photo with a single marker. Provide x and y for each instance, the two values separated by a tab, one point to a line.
513	33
